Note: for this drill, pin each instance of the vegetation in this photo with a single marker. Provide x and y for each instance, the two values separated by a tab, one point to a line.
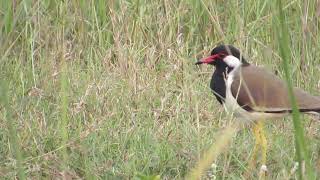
108	89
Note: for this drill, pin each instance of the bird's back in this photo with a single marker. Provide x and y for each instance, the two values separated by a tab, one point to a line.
259	90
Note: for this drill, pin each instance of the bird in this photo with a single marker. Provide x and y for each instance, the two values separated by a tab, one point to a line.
253	94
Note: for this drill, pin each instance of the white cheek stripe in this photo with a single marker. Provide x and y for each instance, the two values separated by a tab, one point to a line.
232	61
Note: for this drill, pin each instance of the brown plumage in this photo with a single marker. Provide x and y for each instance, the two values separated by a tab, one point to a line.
259	90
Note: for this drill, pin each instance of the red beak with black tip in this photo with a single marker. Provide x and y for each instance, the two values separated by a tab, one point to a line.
208	60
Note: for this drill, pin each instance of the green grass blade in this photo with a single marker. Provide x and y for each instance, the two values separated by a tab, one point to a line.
301	145
14	140
8	16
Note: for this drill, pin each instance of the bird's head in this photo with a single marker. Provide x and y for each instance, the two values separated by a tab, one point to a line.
224	56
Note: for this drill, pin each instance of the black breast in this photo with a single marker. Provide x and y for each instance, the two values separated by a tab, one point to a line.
218	85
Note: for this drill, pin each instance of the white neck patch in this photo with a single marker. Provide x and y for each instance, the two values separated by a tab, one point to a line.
232	61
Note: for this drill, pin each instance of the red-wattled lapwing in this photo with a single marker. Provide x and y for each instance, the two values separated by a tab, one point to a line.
252	93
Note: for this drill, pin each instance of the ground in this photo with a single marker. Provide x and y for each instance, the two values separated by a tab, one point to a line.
109	89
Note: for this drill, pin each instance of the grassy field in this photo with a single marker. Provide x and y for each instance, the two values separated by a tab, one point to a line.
109	90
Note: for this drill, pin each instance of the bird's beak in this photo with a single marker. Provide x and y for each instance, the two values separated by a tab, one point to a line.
207	60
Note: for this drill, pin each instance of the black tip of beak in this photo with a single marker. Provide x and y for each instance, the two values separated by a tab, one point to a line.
198	63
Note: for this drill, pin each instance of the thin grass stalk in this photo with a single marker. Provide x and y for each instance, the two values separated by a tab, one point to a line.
64	90
214	151
64	115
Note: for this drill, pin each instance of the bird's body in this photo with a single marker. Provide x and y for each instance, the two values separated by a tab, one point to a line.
252	93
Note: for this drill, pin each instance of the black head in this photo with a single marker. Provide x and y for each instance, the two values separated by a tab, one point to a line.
224	56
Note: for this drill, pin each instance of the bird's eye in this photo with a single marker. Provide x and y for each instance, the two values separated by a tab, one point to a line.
222	55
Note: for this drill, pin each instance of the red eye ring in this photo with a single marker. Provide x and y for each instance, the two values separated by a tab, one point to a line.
222	54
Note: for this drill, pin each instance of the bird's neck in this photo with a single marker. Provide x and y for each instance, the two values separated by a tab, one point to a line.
218	84
218	81
223	71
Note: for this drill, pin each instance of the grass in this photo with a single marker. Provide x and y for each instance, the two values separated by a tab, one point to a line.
302	150
109	90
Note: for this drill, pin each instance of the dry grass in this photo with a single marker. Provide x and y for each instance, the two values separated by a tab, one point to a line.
108	89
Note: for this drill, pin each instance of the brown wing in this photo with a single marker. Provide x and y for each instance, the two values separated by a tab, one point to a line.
259	90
